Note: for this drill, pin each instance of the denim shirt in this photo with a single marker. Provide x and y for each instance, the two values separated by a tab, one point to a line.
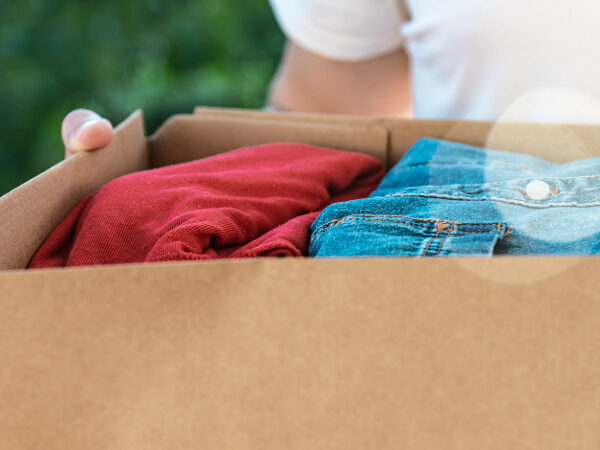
445	198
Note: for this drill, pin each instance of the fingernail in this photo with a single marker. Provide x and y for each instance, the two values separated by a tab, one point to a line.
75	143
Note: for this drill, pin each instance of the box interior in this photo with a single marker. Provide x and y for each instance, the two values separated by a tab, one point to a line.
32	210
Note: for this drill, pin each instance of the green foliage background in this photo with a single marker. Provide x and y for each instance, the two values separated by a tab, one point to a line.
115	56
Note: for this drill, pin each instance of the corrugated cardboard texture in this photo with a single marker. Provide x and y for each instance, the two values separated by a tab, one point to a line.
32	210
301	354
188	137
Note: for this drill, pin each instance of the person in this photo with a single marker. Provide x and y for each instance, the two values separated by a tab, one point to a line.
517	60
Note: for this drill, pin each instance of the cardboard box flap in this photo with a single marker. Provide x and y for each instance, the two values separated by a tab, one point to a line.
30	212
189	137
559	143
339	119
301	354
554	142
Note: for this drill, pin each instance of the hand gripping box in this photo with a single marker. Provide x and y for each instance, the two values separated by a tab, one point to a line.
380	353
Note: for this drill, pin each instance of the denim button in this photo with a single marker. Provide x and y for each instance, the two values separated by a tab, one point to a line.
537	190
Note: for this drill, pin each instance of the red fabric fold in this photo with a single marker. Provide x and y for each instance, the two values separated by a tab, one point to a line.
251	202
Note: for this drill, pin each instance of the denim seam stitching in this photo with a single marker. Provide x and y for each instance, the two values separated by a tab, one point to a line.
500	199
334	223
512	180
444	240
437	233
443	163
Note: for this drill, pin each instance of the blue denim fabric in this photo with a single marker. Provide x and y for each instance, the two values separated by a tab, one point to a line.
445	198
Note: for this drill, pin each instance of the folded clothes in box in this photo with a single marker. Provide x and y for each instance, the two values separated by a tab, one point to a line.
450	199
441	199
251	202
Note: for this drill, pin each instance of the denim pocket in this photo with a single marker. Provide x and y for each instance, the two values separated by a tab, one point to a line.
393	235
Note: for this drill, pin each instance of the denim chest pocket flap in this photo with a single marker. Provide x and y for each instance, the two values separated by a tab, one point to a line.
395	235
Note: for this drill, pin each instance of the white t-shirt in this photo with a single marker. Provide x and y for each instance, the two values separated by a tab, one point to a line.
523	60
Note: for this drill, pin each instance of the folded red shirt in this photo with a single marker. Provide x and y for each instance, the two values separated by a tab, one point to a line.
255	201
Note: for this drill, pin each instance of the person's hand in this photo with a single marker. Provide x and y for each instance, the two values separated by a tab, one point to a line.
83	130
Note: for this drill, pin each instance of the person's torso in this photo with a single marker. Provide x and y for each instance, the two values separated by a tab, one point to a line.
505	59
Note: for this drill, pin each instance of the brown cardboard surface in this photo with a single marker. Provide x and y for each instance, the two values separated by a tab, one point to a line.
339	119
188	137
296	354
554	142
32	210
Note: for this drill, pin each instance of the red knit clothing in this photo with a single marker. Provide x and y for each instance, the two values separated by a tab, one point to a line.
256	201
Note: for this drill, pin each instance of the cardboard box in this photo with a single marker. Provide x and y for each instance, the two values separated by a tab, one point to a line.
380	353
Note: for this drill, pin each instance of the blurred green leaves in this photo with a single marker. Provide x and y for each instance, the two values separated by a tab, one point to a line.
115	57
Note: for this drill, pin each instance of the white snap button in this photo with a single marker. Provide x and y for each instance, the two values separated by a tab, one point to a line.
537	190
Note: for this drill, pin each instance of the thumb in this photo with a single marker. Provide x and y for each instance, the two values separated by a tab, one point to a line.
83	129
